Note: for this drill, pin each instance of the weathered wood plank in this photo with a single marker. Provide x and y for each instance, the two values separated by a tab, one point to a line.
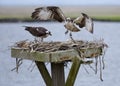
44	72
58	76
57	56
73	72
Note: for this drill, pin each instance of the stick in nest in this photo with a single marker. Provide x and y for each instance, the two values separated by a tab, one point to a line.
18	64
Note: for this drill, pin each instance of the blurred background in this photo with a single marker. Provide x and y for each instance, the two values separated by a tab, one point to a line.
107	27
107	9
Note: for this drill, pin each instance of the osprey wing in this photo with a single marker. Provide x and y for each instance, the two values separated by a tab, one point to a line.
80	21
48	13
89	24
84	21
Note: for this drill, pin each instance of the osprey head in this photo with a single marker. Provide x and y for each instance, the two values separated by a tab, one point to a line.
85	15
48	33
68	19
27	28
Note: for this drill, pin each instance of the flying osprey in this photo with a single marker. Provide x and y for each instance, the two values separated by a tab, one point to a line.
55	13
39	32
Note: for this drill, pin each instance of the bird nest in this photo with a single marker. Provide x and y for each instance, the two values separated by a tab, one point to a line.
58	46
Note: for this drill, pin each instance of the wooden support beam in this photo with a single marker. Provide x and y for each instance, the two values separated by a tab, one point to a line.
58	76
73	72
44	72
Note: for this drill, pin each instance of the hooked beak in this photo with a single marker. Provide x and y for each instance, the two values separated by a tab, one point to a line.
50	34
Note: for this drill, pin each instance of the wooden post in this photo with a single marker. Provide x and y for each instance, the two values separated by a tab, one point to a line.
73	72
58	77
44	72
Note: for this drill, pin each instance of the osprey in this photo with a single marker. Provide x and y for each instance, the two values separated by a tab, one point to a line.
55	13
40	32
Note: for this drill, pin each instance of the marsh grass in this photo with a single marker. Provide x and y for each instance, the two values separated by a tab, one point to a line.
109	13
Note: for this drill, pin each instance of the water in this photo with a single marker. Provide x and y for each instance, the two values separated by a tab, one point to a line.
13	32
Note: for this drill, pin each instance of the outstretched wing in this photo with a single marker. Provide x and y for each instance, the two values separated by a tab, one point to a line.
84	21
48	13
89	24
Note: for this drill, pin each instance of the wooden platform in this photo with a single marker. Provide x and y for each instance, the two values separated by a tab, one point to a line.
57	53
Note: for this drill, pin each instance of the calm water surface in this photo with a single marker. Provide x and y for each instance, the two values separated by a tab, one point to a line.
13	32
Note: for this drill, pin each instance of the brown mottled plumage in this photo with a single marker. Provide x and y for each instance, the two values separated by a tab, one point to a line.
48	13
55	13
84	21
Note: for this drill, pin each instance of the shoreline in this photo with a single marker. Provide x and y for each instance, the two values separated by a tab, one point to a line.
30	20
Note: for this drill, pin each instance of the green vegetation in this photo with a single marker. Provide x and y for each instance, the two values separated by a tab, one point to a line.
26	18
21	17
109	18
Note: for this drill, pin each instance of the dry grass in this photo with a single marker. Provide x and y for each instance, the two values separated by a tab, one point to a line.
71	11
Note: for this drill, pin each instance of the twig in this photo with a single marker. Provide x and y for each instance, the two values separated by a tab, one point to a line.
85	69
100	69
18	64
30	65
91	67
96	64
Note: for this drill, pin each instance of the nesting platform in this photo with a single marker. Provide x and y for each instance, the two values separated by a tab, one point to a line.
57	53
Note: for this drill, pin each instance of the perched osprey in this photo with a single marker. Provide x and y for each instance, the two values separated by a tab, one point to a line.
40	32
55	13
